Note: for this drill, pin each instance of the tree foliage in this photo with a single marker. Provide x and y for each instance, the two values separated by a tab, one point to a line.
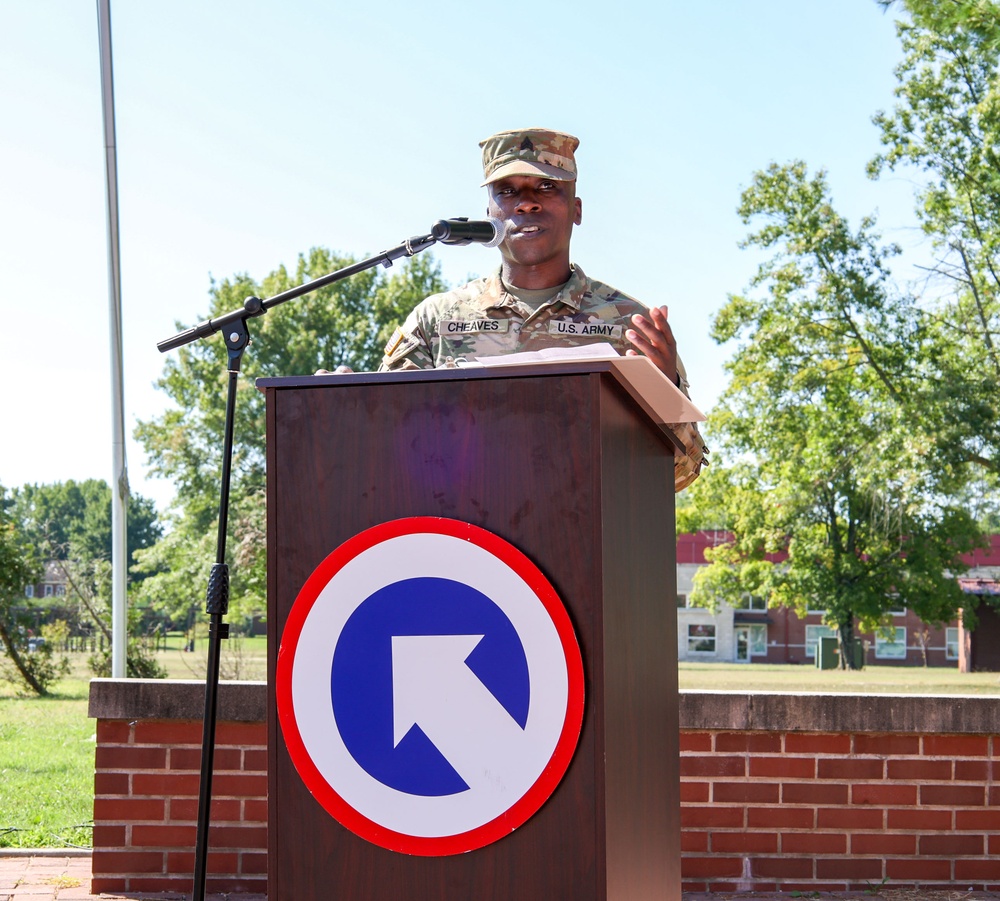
347	323
946	127
835	500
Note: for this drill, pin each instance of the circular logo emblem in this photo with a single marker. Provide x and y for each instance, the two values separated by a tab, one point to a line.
429	686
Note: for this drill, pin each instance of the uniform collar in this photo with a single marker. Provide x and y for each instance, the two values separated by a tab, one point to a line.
494	297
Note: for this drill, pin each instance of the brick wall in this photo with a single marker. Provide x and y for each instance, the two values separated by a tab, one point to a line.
146	784
779	792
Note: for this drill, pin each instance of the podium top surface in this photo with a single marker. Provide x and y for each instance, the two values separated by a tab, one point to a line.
662	401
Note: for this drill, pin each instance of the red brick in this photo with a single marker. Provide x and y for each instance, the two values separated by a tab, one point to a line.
993	844
953	795
977	869
255	759
251	863
241	734
974	771
113	732
886	745
884	795
848	868
813	843
190	759
919	770
698	742
849	768
119	810
848	818
169	836
883	844
817	743
168	732
711	867
748	742
984	819
744	842
745	792
694	842
110	783
122	862
813	793
780	817
711	817
102	884
713	766
914	868
781	868
688	886
919	820
956	746
166	784
255	810
953	845
783	767
219	862
239	837
241	785
994	795
109	836
694	792
222	809
130	757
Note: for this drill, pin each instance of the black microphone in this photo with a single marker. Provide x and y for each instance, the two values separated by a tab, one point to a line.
489	232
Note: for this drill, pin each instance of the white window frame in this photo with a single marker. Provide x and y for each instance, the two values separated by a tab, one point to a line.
951	643
758	646
894	648
697	639
29	591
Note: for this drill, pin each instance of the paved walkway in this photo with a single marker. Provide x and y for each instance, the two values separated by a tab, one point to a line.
56	876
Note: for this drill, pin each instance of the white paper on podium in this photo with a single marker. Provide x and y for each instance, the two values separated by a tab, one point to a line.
668	403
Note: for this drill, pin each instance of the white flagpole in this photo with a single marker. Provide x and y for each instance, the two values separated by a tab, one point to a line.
119	480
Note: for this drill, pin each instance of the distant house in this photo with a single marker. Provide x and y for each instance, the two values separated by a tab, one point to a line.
756	632
52	584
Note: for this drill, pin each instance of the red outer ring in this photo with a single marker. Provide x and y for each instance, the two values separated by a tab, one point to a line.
533	799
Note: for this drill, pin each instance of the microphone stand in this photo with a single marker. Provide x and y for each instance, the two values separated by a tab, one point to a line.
237	337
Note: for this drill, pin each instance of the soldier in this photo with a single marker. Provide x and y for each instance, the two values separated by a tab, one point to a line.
538	298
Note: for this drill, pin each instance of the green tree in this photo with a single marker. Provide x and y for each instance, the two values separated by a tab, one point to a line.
946	127
347	323
826	470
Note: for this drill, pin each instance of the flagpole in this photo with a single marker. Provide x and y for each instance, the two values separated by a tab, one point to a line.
119	480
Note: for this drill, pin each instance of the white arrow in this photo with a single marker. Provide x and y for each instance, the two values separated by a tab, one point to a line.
433	688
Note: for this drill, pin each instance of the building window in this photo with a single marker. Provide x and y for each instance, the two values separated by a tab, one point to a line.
752	602
682	600
813	635
701	638
758	640
60	591
951	643
891	648
29	591
48	591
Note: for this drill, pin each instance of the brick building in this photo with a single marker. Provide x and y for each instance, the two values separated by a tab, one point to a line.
762	634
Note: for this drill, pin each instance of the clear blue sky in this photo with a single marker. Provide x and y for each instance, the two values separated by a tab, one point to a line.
250	131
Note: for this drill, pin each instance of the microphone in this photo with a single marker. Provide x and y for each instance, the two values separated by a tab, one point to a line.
489	232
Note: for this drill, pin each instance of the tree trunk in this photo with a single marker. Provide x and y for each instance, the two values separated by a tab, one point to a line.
14	655
845	634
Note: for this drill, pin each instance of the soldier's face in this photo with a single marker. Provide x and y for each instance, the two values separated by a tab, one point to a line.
540	214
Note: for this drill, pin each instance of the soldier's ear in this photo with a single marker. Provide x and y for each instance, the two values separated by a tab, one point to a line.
579	212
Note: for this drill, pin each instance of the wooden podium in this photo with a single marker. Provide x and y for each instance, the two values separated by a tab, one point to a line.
568	463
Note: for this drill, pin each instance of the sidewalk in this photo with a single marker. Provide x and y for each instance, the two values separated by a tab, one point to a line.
58	876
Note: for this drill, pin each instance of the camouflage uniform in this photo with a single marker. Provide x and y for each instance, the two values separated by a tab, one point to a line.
483	319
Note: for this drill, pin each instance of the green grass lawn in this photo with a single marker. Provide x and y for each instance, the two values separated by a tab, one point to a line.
47	744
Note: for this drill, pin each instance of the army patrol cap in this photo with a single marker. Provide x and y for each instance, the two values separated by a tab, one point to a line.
529	151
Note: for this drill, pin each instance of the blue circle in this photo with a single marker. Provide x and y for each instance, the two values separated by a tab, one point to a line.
361	676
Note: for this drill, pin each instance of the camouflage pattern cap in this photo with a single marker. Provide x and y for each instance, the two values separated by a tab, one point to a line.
529	151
